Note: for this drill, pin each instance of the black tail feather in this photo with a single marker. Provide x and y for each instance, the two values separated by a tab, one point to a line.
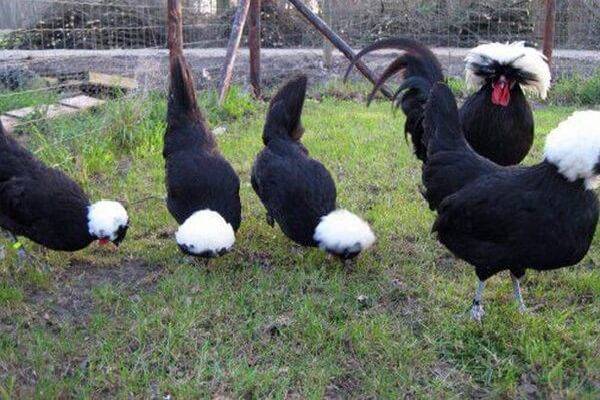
420	69
419	85
4	136
434	69
396	66
183	111
285	111
441	123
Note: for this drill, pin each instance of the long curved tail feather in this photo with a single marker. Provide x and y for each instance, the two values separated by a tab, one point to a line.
420	70
183	112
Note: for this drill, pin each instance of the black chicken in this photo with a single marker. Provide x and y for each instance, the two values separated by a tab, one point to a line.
497	120
511	218
46	206
297	190
202	187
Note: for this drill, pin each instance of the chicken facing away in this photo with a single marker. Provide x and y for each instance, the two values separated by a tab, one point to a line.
202	187
499	218
297	190
497	120
46	206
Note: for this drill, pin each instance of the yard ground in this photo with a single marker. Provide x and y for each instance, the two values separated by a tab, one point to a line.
271	319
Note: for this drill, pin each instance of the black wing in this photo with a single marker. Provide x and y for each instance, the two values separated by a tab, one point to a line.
504	221
197	181
449	171
296	191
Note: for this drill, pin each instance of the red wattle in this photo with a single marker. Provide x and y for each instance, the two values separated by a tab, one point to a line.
103	241
501	94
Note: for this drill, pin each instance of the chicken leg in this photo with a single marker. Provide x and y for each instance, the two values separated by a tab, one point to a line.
518	296
477	311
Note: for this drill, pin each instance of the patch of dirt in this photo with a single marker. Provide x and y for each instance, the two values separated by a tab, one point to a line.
342	388
454	379
124	166
263	259
71	298
528	388
447	263
275	328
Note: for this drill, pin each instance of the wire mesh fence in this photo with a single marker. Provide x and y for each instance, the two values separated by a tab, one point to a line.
47	46
135	24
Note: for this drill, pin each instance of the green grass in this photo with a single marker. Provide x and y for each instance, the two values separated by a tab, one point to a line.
35	92
15	100
273	320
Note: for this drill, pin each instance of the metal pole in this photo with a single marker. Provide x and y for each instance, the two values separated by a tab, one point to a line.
337	41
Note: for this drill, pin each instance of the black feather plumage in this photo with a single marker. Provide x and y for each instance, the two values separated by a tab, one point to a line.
501	134
197	175
40	203
502	218
296	189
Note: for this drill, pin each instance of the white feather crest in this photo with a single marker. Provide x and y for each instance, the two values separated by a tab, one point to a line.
574	147
105	218
518	55
205	231
341	231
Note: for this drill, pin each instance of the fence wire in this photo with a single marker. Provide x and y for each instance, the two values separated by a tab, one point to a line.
112	24
44	44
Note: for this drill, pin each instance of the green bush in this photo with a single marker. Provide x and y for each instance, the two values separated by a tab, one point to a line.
576	90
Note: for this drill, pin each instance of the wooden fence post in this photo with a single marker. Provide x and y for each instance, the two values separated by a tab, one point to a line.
232	47
254	45
549	25
327	47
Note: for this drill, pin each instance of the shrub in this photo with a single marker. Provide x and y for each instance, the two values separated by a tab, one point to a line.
576	90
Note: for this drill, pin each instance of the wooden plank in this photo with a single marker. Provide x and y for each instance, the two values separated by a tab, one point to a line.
51	80
111	81
337	41
9	123
47	111
254	45
234	43
21	112
82	102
